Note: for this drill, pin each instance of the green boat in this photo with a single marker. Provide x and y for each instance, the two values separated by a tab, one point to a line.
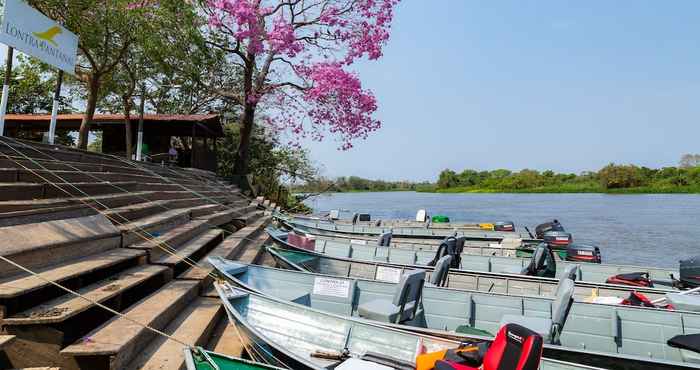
201	359
613	337
292	335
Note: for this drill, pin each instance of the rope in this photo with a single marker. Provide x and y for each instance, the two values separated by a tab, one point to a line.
98	304
144	234
141	232
161	245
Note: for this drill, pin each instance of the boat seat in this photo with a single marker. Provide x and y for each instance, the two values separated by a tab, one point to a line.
384	239
684	302
439	274
549	329
404	305
689	346
570	273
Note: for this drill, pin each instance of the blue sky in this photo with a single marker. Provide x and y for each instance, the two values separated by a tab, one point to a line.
561	85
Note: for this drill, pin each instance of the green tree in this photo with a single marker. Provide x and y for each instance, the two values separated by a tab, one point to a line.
32	88
106	32
447	179
615	176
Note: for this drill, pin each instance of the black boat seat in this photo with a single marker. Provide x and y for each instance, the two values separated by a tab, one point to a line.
684	302
384	239
570	272
442	268
403	306
689	345
549	329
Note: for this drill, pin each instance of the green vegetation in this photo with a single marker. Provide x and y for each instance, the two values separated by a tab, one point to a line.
612	178
357	184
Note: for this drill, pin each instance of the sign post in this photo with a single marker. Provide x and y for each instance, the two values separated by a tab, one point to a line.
54	109
27	30
6	89
139	136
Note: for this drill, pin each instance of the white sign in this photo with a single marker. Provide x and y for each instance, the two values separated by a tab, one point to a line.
389	274
332	287
29	31
358	241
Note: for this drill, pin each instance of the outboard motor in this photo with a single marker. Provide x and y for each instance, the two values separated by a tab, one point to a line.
690	272
583	253
542	263
558	239
547	226
504	226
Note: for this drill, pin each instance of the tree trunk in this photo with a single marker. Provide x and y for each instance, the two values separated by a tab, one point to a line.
242	157
93	91
127	126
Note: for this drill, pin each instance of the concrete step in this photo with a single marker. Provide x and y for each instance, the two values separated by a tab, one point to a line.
73	175
40	244
131	212
254	250
49	164
119	341
229	248
100	201
171	239
193	326
5	340
17	191
87	189
68	306
225	340
143	229
29	191
193	250
21	292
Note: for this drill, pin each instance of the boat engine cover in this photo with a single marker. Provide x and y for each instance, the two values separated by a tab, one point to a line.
504	226
558	239
547	226
583	253
690	272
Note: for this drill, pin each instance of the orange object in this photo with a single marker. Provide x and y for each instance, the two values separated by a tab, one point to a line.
426	361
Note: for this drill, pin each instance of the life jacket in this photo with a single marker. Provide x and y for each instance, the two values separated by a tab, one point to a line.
632	279
514	348
638	300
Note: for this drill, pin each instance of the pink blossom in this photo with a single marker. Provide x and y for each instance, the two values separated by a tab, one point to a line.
308	88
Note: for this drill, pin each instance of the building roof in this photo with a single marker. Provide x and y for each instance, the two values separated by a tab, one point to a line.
167	124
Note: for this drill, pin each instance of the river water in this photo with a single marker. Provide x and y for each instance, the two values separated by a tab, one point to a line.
653	230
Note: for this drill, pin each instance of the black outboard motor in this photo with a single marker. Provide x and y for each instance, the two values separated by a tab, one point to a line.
690	272
583	253
504	226
542	262
548	226
558	239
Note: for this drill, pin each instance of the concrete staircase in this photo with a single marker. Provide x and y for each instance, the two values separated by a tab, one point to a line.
133	237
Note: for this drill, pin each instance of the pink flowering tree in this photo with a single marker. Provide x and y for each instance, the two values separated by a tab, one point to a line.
295	57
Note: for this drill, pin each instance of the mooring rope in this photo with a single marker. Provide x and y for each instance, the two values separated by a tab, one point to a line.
162	245
144	234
